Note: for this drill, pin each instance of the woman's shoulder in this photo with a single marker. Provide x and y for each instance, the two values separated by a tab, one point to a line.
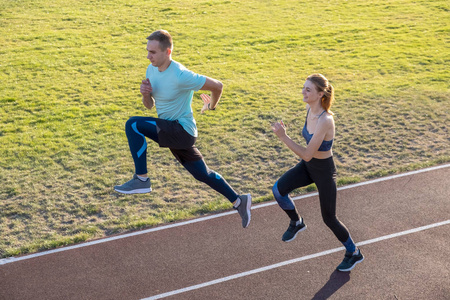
327	119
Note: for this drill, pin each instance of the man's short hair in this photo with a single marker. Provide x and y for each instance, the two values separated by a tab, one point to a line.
163	37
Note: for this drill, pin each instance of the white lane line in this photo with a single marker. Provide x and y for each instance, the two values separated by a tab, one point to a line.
292	261
201	219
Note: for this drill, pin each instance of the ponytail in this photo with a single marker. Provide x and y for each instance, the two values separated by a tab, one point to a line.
328	98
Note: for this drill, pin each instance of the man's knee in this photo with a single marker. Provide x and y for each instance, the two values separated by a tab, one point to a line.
130	122
208	176
199	176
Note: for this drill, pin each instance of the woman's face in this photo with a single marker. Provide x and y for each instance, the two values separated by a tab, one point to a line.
310	93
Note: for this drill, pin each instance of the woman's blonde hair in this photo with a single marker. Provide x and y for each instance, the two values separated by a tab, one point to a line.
322	85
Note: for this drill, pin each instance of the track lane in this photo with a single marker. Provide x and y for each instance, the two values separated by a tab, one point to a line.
149	264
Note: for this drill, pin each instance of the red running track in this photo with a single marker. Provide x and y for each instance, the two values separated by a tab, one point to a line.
402	223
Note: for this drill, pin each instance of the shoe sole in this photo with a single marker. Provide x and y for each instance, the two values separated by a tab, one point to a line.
249	205
293	238
137	191
352	267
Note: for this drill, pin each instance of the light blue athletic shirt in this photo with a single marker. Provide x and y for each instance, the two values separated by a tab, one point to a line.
173	90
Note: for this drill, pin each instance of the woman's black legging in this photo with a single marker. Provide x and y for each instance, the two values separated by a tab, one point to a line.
322	172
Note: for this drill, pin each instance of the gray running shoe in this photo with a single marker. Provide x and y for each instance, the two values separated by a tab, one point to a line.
244	209
350	261
292	231
134	186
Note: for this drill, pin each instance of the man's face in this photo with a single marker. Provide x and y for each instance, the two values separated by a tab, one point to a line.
157	56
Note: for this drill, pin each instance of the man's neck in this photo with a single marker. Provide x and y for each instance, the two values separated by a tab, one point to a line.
164	66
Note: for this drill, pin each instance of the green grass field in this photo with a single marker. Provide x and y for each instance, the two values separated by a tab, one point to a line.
69	78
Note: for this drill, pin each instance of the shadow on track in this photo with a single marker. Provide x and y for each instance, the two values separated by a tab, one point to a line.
336	281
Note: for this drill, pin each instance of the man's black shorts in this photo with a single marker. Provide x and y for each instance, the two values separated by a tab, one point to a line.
173	136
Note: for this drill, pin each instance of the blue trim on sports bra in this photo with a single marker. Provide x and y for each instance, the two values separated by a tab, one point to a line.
325	146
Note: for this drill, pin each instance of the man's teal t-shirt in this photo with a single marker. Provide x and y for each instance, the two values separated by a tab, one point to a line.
173	90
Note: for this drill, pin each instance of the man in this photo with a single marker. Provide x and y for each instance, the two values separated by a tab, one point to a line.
169	86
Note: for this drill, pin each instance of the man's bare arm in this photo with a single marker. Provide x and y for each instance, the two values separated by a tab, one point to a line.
146	91
148	101
216	87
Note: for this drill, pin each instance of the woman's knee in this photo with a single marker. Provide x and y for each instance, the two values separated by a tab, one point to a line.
330	220
339	229
285	202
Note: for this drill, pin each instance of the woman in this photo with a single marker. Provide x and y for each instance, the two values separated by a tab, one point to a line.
317	166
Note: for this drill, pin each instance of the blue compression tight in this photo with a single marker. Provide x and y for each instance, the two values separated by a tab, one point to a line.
202	173
137	128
